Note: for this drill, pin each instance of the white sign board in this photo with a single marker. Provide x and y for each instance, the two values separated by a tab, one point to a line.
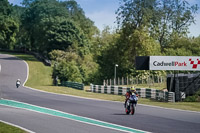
189	63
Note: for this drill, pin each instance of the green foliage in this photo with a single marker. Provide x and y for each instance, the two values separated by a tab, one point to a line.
57	25
69	66
8	26
194	98
8	30
183	46
191	99
77	14
5	8
69	71
162	17
123	53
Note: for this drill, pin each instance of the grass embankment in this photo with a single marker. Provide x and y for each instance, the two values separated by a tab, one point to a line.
40	78
4	128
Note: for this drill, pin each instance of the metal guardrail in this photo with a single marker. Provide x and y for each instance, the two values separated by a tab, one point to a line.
74	85
143	92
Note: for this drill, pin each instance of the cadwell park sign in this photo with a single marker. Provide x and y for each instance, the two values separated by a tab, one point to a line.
189	63
181	84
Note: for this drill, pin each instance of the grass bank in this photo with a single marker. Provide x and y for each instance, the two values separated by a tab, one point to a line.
5	128
40	78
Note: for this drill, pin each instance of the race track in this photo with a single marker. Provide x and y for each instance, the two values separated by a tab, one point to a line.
150	119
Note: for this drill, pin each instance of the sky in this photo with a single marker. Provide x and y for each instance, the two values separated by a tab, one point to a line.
102	13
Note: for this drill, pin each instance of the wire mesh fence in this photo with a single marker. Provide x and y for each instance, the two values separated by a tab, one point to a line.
150	80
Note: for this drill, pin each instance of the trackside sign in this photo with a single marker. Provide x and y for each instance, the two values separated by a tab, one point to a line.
190	63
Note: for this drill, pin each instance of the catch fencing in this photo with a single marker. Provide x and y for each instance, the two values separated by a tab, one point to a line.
143	92
149	80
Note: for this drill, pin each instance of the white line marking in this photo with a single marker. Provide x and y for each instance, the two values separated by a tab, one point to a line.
17	126
75	119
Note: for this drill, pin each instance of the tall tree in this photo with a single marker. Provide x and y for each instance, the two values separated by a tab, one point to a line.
77	14
172	17
162	17
40	16
8	26
5	8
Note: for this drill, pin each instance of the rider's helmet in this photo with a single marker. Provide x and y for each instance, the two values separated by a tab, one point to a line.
132	88
18	79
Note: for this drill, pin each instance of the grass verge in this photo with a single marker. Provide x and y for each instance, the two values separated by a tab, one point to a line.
5	128
40	78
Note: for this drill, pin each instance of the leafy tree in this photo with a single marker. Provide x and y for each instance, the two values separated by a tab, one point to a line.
162	17
172	17
105	53
77	14
8	30
8	26
69	66
139	43
183	46
5	8
34	18
68	71
50	25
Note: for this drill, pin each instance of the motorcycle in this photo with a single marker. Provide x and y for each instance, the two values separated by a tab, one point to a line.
18	84
131	104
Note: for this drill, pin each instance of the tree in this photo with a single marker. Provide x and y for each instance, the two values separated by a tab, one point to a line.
69	66
51	25
77	14
183	46
8	30
5	8
8	26
172	17
162	17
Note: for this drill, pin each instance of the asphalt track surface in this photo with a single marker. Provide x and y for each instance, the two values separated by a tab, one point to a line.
147	118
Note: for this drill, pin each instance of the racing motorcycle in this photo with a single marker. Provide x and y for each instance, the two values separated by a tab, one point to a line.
18	83
131	104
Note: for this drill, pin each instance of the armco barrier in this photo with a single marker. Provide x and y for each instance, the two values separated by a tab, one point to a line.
143	92
74	85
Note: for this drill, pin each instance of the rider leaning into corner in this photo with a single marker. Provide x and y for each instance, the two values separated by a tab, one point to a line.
132	91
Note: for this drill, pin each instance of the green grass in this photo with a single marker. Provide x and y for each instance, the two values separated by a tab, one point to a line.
5	128
40	78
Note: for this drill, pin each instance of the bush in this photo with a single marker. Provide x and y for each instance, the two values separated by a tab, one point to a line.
194	98
191	99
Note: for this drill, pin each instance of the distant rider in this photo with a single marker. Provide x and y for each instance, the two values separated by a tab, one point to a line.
18	82
132	91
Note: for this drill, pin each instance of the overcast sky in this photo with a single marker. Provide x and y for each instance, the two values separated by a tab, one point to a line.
102	12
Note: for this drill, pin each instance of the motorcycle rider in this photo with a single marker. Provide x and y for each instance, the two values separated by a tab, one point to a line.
18	82
129	93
